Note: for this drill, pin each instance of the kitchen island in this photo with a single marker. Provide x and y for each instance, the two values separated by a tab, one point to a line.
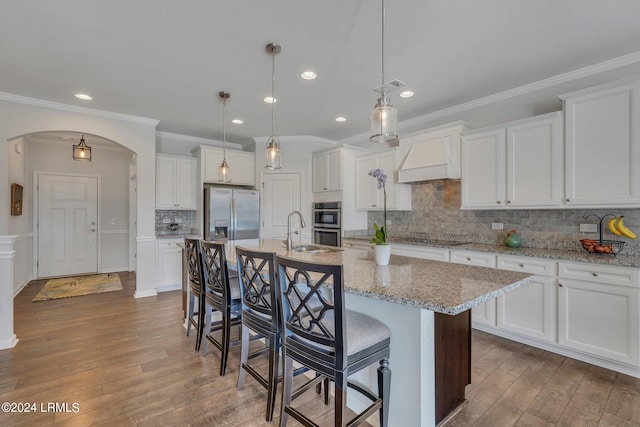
426	305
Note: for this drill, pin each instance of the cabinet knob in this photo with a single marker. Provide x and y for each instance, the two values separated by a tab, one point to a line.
508	201
373	206
560	284
521	265
498	201
595	274
468	259
568	200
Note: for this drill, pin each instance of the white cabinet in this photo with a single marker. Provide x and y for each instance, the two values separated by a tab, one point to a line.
175	182
241	166
603	145
327	170
598	311
423	252
169	265
368	196
530	309
485	312
515	165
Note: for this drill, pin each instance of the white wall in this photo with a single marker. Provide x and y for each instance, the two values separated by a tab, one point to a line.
111	164
21	116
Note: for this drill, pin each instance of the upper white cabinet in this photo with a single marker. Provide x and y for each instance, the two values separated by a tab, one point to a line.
175	182
327	170
241	166
368	196
603	145
515	165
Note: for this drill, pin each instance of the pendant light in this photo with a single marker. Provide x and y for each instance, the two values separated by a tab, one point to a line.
384	116
223	170
273	159
82	151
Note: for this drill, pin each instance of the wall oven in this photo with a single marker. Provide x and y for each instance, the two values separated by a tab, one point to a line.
327	228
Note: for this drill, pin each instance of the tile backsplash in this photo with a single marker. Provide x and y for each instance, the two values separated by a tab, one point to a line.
436	214
184	220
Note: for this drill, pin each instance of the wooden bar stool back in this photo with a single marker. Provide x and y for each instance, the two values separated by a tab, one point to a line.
195	314
319	333
222	295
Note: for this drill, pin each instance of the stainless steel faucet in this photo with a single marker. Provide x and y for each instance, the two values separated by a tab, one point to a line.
302	225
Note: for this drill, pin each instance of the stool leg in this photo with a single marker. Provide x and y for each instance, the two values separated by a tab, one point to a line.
384	387
226	333
340	396
244	355
190	312
206	328
287	385
272	386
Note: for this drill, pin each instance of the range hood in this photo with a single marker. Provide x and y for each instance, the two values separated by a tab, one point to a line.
432	157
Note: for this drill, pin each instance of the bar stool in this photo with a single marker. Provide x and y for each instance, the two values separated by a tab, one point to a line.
222	295
261	314
332	341
194	318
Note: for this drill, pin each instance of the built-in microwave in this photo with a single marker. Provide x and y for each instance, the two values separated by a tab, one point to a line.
326	215
327	229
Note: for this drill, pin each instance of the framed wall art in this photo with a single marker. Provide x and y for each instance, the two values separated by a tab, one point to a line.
16	199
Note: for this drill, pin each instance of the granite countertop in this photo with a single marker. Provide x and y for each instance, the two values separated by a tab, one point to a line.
555	254
160	236
438	286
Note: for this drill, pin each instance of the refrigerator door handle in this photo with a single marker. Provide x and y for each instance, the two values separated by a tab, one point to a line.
232	232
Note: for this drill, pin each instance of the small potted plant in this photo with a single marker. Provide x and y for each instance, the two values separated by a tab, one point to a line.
381	250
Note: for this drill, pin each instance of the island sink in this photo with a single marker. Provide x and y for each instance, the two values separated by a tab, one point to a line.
315	249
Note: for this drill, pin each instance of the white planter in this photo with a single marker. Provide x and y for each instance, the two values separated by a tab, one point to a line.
382	253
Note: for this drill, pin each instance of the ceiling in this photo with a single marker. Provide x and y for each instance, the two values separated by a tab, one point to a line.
167	60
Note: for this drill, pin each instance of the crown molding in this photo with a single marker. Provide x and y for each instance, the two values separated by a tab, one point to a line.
168	137
76	109
567	77
297	138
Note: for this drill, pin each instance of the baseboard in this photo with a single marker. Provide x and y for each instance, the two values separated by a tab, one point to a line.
10	343
114	269
145	294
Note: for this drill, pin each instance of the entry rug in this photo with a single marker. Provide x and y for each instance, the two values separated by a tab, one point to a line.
67	287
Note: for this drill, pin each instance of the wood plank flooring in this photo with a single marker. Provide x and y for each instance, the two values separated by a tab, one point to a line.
127	362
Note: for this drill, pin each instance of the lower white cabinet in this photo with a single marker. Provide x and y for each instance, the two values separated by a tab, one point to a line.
423	252
597	316
169	265
530	309
485	312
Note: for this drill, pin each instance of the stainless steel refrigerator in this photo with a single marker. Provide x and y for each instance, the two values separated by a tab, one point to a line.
231	213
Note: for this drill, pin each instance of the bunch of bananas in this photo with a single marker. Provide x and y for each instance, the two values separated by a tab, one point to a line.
617	227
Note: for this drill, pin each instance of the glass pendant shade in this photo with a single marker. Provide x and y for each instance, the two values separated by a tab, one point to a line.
82	152
384	119
273	159
223	171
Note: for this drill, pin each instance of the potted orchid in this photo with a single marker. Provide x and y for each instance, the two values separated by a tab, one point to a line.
382	250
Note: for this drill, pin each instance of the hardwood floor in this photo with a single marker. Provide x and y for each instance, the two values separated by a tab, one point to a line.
127	362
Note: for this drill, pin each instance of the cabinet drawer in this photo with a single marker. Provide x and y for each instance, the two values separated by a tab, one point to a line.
170	244
540	267
423	252
473	258
613	275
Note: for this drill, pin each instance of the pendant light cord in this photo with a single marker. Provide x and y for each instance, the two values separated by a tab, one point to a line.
383	21
273	87
224	130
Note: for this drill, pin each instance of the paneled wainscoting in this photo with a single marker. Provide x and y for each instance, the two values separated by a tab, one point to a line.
127	362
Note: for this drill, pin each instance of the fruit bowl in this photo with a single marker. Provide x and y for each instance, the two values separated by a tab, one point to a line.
602	246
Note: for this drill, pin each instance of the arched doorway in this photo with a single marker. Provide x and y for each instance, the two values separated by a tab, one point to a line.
23	116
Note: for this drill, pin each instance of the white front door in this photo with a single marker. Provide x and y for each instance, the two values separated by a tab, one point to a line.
281	195
67	225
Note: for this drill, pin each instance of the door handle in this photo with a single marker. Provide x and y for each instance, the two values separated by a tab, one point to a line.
93	230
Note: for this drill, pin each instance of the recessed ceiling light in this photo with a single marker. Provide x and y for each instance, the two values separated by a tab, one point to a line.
341	119
406	94
237	121
270	100
308	75
83	96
